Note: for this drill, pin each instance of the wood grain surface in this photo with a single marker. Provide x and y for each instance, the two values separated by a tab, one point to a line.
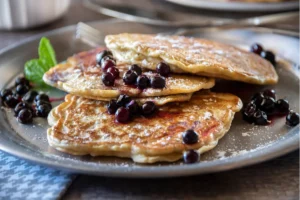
275	179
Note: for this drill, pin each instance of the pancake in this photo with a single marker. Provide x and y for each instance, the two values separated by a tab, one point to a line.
81	76
192	55
157	100
82	126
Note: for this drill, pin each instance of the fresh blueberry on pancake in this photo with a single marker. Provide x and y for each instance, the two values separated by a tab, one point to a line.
130	77
163	69
148	108
292	119
191	156
22	89
108	79
190	137
112	107
142	82
268	55
282	106
25	116
123	100
114	71
256	48
107	64
101	55
136	68
133	107
157	82
122	115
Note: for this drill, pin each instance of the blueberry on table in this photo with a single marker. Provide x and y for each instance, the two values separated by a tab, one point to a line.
136	69
268	55
30	96
148	108
158	82
282	106
101	55
256	48
142	82
191	156
22	89
133	107
130	77
123	99
108	79
112	107
43	97
114	71
122	115
190	137
21	81
292	119
25	116
163	69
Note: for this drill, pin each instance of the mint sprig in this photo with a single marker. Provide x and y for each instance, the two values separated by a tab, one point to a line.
35	68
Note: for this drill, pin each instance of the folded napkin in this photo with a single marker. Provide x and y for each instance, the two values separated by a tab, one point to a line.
20	179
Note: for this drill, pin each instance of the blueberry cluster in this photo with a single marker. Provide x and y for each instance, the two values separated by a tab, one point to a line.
268	55
125	109
27	103
263	105
133	76
190	137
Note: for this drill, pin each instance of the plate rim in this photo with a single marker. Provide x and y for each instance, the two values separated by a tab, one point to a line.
284	145
238	6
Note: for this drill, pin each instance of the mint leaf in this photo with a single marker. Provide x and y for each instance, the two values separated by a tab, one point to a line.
47	53
34	70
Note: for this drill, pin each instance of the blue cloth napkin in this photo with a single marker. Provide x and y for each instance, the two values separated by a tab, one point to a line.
20	179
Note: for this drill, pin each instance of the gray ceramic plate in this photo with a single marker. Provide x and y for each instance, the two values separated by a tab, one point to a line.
244	144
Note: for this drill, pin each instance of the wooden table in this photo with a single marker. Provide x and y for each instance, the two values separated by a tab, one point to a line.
275	179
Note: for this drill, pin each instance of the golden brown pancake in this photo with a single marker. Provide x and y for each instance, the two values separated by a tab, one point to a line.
81	76
82	126
192	55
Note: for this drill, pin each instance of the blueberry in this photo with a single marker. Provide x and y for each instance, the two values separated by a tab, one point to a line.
142	82
282	106
107	64
190	137
292	119
130	77
191	156
270	93
25	116
109	57
5	92
163	69
122	115
133	107
22	89
43	110
256	48
108	79
257	99
20	106
268	55
249	111
158	82
260	118
29	96
41	102
148	108
43	97
21	81
123	100
268	104
114	71
136	69
11	101
101	55
112	107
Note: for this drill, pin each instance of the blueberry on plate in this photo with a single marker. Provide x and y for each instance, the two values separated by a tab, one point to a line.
256	48
190	137
5	92
122	115
282	106
43	110
270	93
20	106
11	101
22	89
191	156
30	96
43	97
268	55
257	99
21	81
136	69
260	118
249	111
268	104
25	116
292	119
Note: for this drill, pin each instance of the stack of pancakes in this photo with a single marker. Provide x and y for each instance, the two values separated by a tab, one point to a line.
81	125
